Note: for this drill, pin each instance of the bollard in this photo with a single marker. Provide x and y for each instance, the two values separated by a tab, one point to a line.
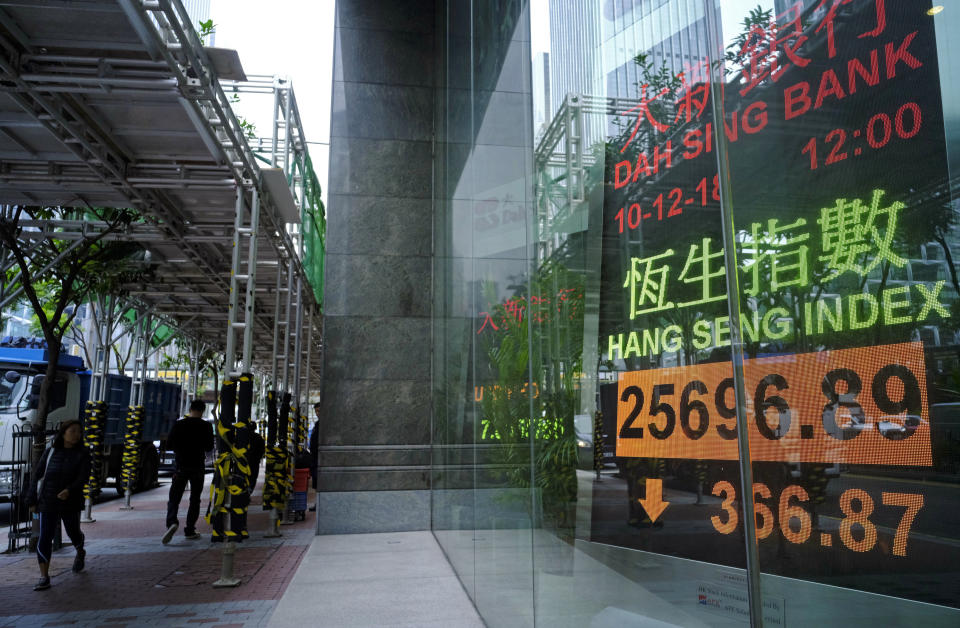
131	453
227	579
94	414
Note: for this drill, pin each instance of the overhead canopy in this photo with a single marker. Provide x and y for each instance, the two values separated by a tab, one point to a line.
115	103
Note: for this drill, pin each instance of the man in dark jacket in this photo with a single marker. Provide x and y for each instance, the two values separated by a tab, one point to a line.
190	439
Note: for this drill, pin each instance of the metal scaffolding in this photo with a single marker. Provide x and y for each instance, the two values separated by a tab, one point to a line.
118	104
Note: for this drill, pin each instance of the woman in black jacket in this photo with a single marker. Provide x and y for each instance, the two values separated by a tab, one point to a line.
60	475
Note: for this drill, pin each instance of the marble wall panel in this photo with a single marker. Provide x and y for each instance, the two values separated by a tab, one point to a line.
377	285
353	512
378	111
380	167
379	225
378	348
390	57
374	412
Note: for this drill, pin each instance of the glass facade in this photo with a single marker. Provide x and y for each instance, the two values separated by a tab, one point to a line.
696	319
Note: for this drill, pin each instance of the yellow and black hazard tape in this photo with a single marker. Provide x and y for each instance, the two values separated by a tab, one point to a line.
93	421
131	445
277	482
231	470
301	430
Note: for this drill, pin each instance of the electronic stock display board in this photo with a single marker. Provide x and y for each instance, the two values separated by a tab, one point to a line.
841	208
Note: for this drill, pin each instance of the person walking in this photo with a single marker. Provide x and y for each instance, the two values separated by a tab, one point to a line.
57	494
315	450
190	439
315	445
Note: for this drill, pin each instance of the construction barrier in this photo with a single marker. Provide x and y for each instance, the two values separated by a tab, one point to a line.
302	437
284	467
273	496
230	490
94	421
131	447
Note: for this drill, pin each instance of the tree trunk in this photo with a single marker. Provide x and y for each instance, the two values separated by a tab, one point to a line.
43	403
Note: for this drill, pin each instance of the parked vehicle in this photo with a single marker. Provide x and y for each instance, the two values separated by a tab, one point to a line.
22	370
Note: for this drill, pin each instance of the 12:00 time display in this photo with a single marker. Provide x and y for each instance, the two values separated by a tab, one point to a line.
905	123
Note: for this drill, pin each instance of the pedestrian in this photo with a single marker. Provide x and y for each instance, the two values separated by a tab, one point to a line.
255	450
190	439
315	445
57	495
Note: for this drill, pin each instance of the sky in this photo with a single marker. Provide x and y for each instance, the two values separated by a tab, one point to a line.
294	38
288	38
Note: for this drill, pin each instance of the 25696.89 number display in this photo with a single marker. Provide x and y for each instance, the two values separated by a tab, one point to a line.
857	406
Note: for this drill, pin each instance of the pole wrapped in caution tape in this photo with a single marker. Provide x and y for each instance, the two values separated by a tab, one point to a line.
273	493
284	469
230	491
95	416
131	448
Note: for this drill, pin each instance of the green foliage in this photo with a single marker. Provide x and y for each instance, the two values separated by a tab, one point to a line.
205	28
758	29
535	360
249	128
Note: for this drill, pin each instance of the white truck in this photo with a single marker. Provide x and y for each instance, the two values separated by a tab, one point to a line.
23	366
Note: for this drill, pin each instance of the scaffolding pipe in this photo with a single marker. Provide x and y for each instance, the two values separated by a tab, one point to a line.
298	352
230	354
251	283
286	332
136	400
276	327
227	577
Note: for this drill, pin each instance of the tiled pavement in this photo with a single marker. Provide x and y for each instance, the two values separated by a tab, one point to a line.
131	579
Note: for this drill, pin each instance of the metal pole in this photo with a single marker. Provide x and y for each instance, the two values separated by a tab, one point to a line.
276	123
306	386
276	325
230	361
286	333
285	357
251	283
99	380
754	596
136	392
298	347
147	334
227	577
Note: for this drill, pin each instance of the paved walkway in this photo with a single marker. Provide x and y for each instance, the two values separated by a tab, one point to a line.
397	579
131	579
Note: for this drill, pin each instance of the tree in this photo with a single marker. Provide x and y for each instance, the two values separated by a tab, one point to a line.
58	275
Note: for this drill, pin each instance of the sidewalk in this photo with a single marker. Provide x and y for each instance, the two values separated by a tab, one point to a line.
396	579
131	579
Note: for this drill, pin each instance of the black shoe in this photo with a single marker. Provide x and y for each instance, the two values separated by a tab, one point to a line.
42	584
78	560
168	535
193	536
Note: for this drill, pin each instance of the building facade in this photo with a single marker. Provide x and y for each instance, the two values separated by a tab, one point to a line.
682	353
